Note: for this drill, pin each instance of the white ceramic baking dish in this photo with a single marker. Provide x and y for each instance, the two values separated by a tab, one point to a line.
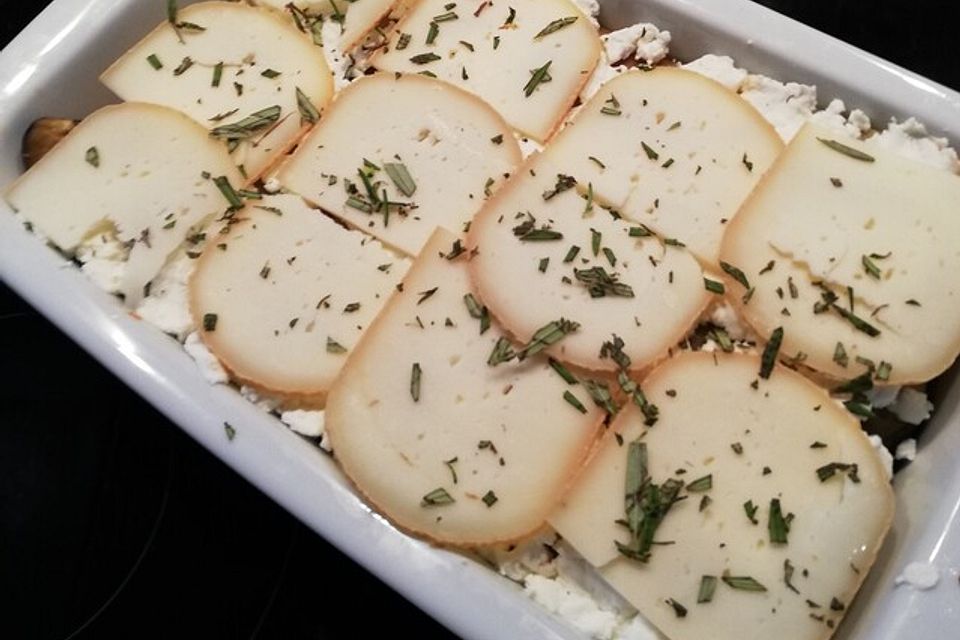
52	68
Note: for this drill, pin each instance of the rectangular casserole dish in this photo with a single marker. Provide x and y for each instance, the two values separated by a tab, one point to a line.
52	69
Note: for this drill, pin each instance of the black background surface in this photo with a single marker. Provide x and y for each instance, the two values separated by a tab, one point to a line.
113	523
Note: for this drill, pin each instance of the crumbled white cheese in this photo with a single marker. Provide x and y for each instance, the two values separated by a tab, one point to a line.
528	147
589	8
919	575
167	306
637	628
882	397
103	259
534	556
911	139
644	41
787	106
912	406
906	450
603	72
886	459
340	62
723	315
213	372
272	184
856	124
262	402
719	68
306	423
567	599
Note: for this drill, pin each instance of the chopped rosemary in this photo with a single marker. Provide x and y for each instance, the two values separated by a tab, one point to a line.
883	371
547	335
564	183
751	510
858	323
209	322
735	273
600	283
426	295
537	77
230	431
747	163
497	139
185	64
248	126
870	267
722	338
651	153
701	484
713	286
555	26
229	193
308	112
92	156
502	352
777	525
543	264
646	503
424	58
562	371
678	609
432	33
270	74
415	374
401	178
839	147
611	106
708	586
788	570
403	41
449	464
827	471
743	583
571	254
477	312
769	357
437	498
574	401
154	61
489	498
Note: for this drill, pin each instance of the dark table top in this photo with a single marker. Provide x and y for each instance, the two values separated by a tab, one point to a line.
114	523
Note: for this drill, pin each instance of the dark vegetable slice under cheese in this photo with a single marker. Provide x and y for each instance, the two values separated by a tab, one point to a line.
762	504
441	442
853	251
292	292
245	73
145	170
527	58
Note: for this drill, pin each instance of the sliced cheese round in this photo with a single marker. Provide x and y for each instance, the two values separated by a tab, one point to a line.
399	155
671	149
146	170
544	252
356	18
289	292
442	443
245	73
852	250
761	462
528	59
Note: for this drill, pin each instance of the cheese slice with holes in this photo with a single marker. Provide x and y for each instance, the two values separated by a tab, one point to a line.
292	292
492	50
883	226
357	17
264	59
138	168
784	430
671	149
542	255
499	441
430	150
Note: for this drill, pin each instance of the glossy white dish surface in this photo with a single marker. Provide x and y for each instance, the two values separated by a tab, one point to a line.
52	69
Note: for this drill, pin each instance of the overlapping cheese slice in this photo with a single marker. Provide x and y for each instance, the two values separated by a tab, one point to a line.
357	17
430	150
543	254
439	441
292	292
671	149
834	213
244	68
145	170
528	58
777	440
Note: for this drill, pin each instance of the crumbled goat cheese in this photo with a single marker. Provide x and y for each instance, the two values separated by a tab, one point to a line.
882	397
213	372
306	423
722	69
906	450
167	306
910	139
856	124
919	575
912	406
603	72
528	147
340	62
644	41
589	8
886	459
262	402
787	106
723	315
567	599
103	259
272	184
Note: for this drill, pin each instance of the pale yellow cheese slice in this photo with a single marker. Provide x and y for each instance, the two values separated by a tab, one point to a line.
452	147
264	59
785	429
492	50
146	170
528	282
671	149
823	216
357	17
500	441
292	292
